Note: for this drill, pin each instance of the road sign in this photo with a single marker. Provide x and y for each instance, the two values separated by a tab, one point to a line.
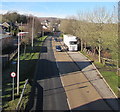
22	33
13	74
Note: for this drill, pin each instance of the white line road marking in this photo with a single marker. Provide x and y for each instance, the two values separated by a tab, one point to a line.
61	80
69	105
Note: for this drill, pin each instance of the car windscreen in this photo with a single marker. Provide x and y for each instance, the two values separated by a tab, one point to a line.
58	47
73	42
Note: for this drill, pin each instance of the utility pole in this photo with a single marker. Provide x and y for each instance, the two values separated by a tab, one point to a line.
32	31
18	63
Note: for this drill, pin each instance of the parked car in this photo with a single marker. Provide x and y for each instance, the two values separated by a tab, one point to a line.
58	48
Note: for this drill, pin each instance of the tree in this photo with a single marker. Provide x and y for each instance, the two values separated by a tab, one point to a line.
14	17
25	41
99	17
96	29
37	27
65	26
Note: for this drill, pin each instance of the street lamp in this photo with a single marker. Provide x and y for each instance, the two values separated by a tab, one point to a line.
18	64
20	34
32	31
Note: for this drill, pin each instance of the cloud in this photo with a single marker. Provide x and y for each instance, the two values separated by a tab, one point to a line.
3	11
38	14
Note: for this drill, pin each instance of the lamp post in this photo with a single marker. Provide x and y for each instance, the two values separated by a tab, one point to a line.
32	31
20	34
18	62
18	65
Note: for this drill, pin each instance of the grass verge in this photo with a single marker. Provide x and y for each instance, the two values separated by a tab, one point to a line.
28	62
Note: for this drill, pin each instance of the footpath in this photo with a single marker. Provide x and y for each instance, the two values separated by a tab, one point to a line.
96	79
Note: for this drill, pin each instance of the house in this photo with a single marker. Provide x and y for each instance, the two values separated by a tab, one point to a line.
46	23
5	24
1	30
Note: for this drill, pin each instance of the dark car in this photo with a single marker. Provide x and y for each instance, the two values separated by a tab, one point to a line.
55	39
58	48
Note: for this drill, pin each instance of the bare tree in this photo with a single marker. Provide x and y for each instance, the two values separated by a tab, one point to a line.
65	26
99	17
82	29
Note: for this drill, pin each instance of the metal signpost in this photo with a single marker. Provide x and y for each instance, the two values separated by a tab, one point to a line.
13	75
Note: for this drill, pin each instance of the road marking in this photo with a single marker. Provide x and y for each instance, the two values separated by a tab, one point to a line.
61	80
69	105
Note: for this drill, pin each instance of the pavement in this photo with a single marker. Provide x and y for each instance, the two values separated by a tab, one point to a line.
95	79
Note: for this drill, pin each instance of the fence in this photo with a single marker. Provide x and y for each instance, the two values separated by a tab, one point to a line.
11	56
20	105
103	60
7	58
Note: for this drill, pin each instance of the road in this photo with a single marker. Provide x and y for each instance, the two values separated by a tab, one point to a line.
49	92
81	93
61	85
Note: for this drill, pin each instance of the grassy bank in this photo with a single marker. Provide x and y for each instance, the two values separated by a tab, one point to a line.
109	73
110	76
28	62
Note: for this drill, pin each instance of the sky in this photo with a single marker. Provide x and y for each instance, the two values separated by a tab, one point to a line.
54	9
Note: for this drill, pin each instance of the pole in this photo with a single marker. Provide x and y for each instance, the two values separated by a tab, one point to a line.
32	31
13	90
99	51
18	68
43	33
118	68
18	64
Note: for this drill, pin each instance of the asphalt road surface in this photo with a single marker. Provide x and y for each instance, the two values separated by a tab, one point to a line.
49	93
